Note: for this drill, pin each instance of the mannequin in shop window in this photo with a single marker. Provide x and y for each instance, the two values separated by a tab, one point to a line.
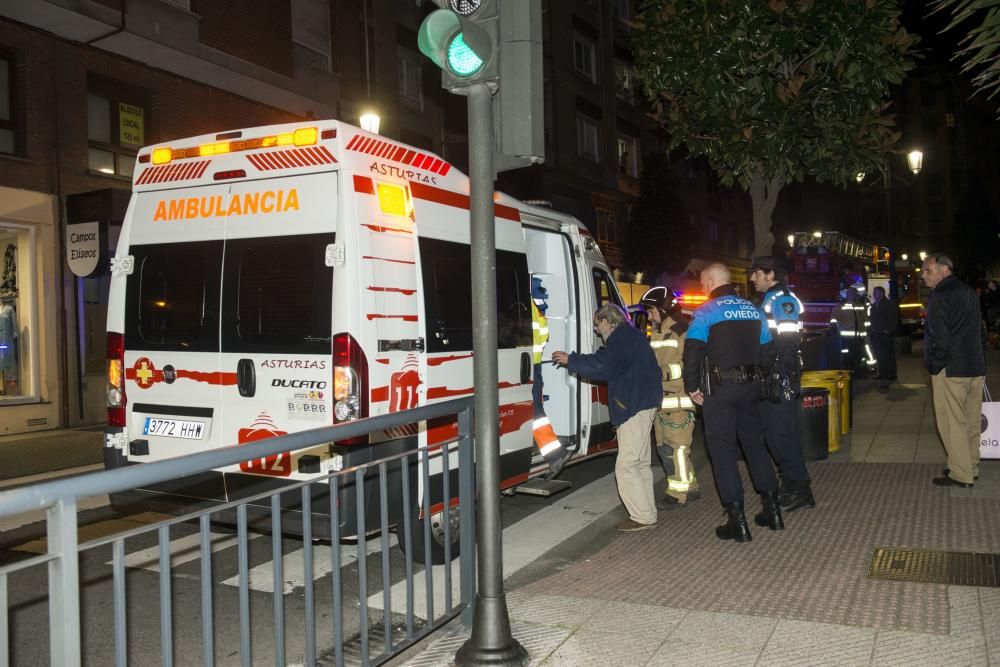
8	344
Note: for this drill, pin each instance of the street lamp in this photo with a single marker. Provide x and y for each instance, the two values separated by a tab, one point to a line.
915	160
791	240
923	255
370	122
860	177
904	257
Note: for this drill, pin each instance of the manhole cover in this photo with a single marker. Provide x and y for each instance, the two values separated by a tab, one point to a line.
936	567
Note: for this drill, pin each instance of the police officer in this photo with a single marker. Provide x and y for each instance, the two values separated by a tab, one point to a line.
545	436
674	422
727	342
779	409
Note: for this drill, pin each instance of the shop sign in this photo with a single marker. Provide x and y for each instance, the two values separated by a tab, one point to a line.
130	124
83	248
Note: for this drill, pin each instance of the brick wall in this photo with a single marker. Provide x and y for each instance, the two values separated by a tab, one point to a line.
54	96
259	31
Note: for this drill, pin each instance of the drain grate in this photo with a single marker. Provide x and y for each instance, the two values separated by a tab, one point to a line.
936	567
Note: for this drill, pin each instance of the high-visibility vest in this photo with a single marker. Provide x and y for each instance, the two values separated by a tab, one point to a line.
539	333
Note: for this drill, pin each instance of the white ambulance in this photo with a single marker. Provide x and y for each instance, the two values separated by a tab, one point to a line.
277	279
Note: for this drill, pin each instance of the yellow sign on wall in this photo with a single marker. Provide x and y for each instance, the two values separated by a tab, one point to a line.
130	125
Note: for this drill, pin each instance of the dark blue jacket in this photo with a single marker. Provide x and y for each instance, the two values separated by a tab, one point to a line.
628	365
730	331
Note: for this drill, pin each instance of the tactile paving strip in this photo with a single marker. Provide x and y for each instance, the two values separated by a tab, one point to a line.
936	567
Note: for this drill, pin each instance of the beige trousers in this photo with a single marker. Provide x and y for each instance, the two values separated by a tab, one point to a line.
958	404
632	472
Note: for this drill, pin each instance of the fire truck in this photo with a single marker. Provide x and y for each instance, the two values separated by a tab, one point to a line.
824	263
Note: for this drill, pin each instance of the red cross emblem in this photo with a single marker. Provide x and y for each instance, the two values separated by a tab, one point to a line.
145	373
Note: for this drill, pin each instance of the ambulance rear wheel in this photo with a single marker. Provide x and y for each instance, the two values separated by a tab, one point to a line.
417	536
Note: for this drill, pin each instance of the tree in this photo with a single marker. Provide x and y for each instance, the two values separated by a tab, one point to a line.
772	91
981	47
660	237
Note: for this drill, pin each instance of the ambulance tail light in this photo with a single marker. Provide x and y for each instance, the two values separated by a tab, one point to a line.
116	379
350	383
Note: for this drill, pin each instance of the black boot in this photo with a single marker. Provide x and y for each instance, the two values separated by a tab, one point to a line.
770	516
797	494
736	527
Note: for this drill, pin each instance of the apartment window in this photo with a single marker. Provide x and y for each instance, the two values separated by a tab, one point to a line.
583	57
410	76
311	32
628	156
606	226
115	130
586	138
624	81
8	105
621	10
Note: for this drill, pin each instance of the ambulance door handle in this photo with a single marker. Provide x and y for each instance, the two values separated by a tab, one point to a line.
525	368
246	378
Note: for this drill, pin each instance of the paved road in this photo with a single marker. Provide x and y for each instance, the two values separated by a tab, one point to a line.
533	525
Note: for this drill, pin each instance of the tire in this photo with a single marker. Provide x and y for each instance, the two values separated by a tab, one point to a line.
437	553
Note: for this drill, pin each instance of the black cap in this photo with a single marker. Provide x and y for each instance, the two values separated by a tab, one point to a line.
768	263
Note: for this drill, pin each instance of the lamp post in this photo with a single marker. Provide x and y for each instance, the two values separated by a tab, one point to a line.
915	162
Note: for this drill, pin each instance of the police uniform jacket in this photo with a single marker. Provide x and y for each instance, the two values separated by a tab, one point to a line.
728	330
953	337
628	365
784	318
667	341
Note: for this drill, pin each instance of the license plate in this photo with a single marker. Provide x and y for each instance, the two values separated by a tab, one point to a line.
174	428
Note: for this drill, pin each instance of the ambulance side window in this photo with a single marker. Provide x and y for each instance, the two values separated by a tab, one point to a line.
276	295
171	300
448	297
605	290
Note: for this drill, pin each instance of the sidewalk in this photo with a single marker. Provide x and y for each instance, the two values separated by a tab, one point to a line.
676	595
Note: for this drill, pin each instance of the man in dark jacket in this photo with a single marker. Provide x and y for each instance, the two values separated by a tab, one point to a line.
727	345
884	322
953	354
628	365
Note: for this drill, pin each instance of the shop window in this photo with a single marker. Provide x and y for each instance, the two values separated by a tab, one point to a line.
587	138
115	131
8	105
16	334
448	297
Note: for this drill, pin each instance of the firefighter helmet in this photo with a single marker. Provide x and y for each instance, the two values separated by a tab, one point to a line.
660	297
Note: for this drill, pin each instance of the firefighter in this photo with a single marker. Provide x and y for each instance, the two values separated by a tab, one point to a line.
783	382
674	422
852	320
546	440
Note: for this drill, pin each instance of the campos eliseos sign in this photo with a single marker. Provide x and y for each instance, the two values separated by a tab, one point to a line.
83	248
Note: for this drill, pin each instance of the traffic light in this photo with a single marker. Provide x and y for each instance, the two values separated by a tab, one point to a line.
497	42
462	41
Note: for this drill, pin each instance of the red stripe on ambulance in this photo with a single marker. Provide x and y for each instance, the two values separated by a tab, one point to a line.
449	198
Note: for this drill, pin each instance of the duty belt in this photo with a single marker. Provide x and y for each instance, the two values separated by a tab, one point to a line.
737	374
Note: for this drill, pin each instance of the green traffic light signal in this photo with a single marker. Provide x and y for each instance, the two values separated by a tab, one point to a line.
462	60
455	44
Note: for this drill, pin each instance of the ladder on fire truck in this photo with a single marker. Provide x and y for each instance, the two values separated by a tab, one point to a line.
839	244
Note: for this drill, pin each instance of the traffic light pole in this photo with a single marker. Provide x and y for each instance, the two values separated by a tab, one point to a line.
491	642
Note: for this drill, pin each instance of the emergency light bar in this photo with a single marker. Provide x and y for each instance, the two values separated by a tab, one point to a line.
303	136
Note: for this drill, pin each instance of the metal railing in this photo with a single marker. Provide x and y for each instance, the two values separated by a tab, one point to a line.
62	556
